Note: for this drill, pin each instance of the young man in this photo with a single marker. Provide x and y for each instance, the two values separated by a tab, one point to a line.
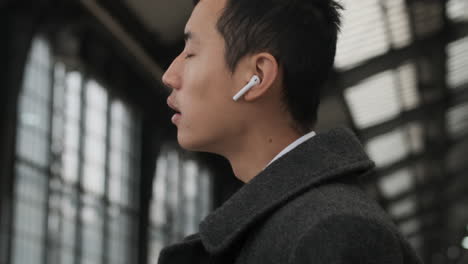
299	203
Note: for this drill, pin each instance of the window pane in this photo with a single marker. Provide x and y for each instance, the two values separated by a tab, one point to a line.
363	25
95	150
27	250
396	183
408	84
388	148
96	123
374	100
205	193
93	178
71	137
457	120
122	230
34	106
33	146
457	10
124	151
383	96
34	112
190	192
411	226
403	207
70	166
96	96
398	20
95	142
37	81
31	185
458	62
92	228
67	256
73	96
29	219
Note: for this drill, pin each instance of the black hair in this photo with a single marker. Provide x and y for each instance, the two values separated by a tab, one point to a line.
300	34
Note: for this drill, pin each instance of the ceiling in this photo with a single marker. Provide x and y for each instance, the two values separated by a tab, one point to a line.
166	18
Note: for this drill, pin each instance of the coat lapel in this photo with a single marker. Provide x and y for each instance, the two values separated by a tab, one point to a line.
324	157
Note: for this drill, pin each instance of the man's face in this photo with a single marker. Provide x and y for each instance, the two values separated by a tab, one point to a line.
202	85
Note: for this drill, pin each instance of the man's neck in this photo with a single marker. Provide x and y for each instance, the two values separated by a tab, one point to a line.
257	149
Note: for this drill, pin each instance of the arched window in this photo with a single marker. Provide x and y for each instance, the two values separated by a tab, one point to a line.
77	168
181	199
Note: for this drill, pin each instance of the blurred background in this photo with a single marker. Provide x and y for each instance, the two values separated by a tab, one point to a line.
90	171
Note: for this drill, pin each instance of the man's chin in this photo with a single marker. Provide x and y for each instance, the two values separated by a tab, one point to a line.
188	143
192	144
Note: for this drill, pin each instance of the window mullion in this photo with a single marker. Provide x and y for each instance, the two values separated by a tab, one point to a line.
47	240
107	204
79	185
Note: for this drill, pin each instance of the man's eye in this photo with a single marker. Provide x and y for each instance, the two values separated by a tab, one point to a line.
188	56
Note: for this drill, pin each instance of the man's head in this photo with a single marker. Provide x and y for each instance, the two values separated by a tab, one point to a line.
289	44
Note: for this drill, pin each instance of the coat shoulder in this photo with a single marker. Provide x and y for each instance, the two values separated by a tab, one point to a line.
351	239
322	202
330	208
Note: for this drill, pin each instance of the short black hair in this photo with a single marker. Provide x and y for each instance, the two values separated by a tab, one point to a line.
300	34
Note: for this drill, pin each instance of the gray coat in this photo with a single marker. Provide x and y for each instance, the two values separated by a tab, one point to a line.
304	208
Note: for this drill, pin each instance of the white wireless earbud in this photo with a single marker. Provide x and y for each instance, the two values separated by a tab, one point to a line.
253	81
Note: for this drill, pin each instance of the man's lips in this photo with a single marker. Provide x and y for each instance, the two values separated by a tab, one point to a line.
176	117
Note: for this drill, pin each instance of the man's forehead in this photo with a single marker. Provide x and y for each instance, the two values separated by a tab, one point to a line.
205	11
202	22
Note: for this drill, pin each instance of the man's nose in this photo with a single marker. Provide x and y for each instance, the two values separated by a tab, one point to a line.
171	77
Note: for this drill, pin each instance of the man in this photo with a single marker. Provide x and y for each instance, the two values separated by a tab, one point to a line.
300	203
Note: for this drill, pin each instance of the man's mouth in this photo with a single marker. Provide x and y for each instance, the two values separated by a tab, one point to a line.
175	110
176	114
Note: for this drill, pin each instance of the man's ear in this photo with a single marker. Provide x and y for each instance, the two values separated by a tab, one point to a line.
265	66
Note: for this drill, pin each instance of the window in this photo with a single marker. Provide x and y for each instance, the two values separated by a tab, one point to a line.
457	120
397	22
77	169
181	199
376	25
396	183
363	25
396	145
457	63
33	141
383	96
457	10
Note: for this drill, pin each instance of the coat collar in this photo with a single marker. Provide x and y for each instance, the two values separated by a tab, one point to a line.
323	157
